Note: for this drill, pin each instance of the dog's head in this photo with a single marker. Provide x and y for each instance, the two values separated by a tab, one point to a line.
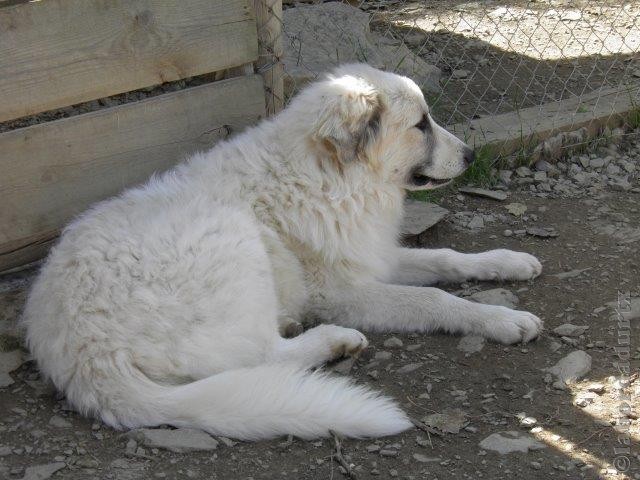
361	115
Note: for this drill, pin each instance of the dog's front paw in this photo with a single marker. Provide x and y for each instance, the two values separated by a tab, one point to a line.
512	326
509	265
343	341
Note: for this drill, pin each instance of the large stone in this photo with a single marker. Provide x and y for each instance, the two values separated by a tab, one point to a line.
181	440
320	37
510	441
420	216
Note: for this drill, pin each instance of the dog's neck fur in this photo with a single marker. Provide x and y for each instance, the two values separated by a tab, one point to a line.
350	216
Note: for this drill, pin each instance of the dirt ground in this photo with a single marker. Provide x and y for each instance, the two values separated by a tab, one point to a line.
592	262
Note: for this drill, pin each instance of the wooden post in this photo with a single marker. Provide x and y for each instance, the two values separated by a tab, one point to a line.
269	63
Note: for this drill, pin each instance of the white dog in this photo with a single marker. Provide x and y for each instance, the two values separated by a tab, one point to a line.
164	305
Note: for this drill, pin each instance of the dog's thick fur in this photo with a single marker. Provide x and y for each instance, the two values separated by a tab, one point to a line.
164	305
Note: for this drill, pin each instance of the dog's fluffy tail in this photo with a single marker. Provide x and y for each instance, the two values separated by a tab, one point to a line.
262	402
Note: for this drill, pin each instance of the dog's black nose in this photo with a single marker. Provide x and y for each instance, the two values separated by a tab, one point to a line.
469	156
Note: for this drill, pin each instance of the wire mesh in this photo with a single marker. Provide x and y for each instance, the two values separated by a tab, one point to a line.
473	59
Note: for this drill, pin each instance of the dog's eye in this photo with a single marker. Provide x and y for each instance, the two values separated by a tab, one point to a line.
423	124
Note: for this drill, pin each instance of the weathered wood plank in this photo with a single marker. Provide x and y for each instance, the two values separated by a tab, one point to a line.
53	171
269	25
61	52
511	132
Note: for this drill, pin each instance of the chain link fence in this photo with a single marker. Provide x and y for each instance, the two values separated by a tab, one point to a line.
478	60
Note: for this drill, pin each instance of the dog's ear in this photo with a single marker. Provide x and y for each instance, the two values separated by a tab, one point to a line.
349	118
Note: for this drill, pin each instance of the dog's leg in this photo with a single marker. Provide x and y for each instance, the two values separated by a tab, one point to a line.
383	307
427	267
318	345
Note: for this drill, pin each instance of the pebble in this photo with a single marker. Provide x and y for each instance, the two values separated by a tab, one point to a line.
543	232
496	296
598	388
393	342
449	421
571	367
419	457
382	355
389	453
476	222
411	367
510	441
9	361
460	74
483	192
181	440
471	343
570	330
59	422
42	472
585	399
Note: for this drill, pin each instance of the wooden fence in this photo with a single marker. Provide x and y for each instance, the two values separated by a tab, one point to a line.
57	53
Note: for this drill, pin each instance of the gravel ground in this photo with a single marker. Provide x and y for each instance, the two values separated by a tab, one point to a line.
484	410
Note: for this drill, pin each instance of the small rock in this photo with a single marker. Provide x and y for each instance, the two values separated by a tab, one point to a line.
523	172
507	233
471	343
393	342
343	367
569	330
9	361
620	184
483	192
510	441
505	176
570	273
42	472
542	232
419	457
460	74
572	367
449	421
411	367
516	209
496	296
476	222
598	388
571	16
227	442
59	422
181	440
386	452
421	216
585	399
554	346
382	355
